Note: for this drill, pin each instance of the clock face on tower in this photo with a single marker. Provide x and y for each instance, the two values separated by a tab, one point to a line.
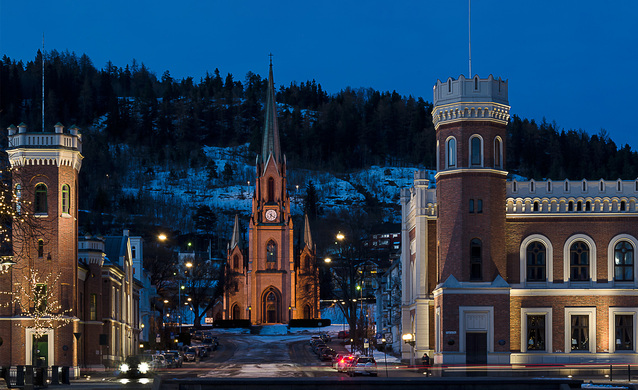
271	215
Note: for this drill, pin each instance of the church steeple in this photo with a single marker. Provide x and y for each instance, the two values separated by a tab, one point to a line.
270	144
236	239
307	236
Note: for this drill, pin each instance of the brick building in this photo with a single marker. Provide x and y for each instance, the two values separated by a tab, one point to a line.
266	282
506	271
45	168
109	300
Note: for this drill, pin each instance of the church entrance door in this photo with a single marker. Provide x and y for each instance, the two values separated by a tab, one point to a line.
271	305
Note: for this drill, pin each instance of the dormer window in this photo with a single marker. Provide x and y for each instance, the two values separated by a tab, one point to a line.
532	187
566	186
549	186
584	186
476	83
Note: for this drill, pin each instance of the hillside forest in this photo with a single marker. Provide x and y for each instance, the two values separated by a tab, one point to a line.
166	122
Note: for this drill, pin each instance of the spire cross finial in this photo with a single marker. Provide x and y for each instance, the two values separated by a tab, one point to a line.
270	55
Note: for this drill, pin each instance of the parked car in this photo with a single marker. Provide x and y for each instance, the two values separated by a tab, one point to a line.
177	356
138	366
344	363
190	354
171	361
315	339
325	337
158	361
343	334
363	365
327	354
318	346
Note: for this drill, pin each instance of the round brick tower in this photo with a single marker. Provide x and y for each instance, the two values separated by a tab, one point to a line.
470	117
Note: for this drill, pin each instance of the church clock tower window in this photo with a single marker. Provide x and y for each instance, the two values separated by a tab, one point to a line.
271	255
271	190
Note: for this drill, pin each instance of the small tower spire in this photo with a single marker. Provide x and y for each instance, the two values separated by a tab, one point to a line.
270	144
307	236
236	239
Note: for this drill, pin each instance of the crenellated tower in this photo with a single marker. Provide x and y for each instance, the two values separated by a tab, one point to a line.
45	167
470	117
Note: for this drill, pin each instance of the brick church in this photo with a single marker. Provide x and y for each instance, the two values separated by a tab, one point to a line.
268	283
502	271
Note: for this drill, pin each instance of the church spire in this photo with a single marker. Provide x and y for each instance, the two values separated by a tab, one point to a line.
271	129
236	239
307	236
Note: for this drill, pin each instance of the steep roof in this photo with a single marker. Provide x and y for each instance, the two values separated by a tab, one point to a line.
270	146
236	239
307	236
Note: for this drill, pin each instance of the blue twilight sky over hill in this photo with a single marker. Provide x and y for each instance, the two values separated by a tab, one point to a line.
573	62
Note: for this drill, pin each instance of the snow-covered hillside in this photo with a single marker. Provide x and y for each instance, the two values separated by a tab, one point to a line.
193	187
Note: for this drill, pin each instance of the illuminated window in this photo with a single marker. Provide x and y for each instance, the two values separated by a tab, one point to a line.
93	307
624	336
580	332
66	199
535	332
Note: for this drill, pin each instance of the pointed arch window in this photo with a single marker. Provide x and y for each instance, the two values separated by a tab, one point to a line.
41	206
579	261
66	199
536	262
476	272
271	190
476	151
624	262
271	255
451	153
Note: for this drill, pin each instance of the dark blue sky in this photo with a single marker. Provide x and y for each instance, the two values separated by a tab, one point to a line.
573	62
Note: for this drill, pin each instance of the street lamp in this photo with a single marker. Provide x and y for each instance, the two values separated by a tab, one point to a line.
385	356
409	338
327	260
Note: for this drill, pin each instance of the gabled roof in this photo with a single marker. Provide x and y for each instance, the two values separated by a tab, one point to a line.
236	239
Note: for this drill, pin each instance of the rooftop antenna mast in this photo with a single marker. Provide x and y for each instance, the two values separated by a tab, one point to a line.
43	81
469	32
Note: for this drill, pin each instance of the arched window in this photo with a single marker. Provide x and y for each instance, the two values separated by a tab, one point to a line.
66	199
476	155
588	206
549	186
41	199
498	153
18	198
535	206
566	186
579	261
579	206
236	262
570	206
271	255
622	205
271	190
40	248
451	153
536	262
532	186
271	307
476	272
623	262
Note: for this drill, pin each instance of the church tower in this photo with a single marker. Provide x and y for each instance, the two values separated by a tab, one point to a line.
264	284
470	117
45	167
270	257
